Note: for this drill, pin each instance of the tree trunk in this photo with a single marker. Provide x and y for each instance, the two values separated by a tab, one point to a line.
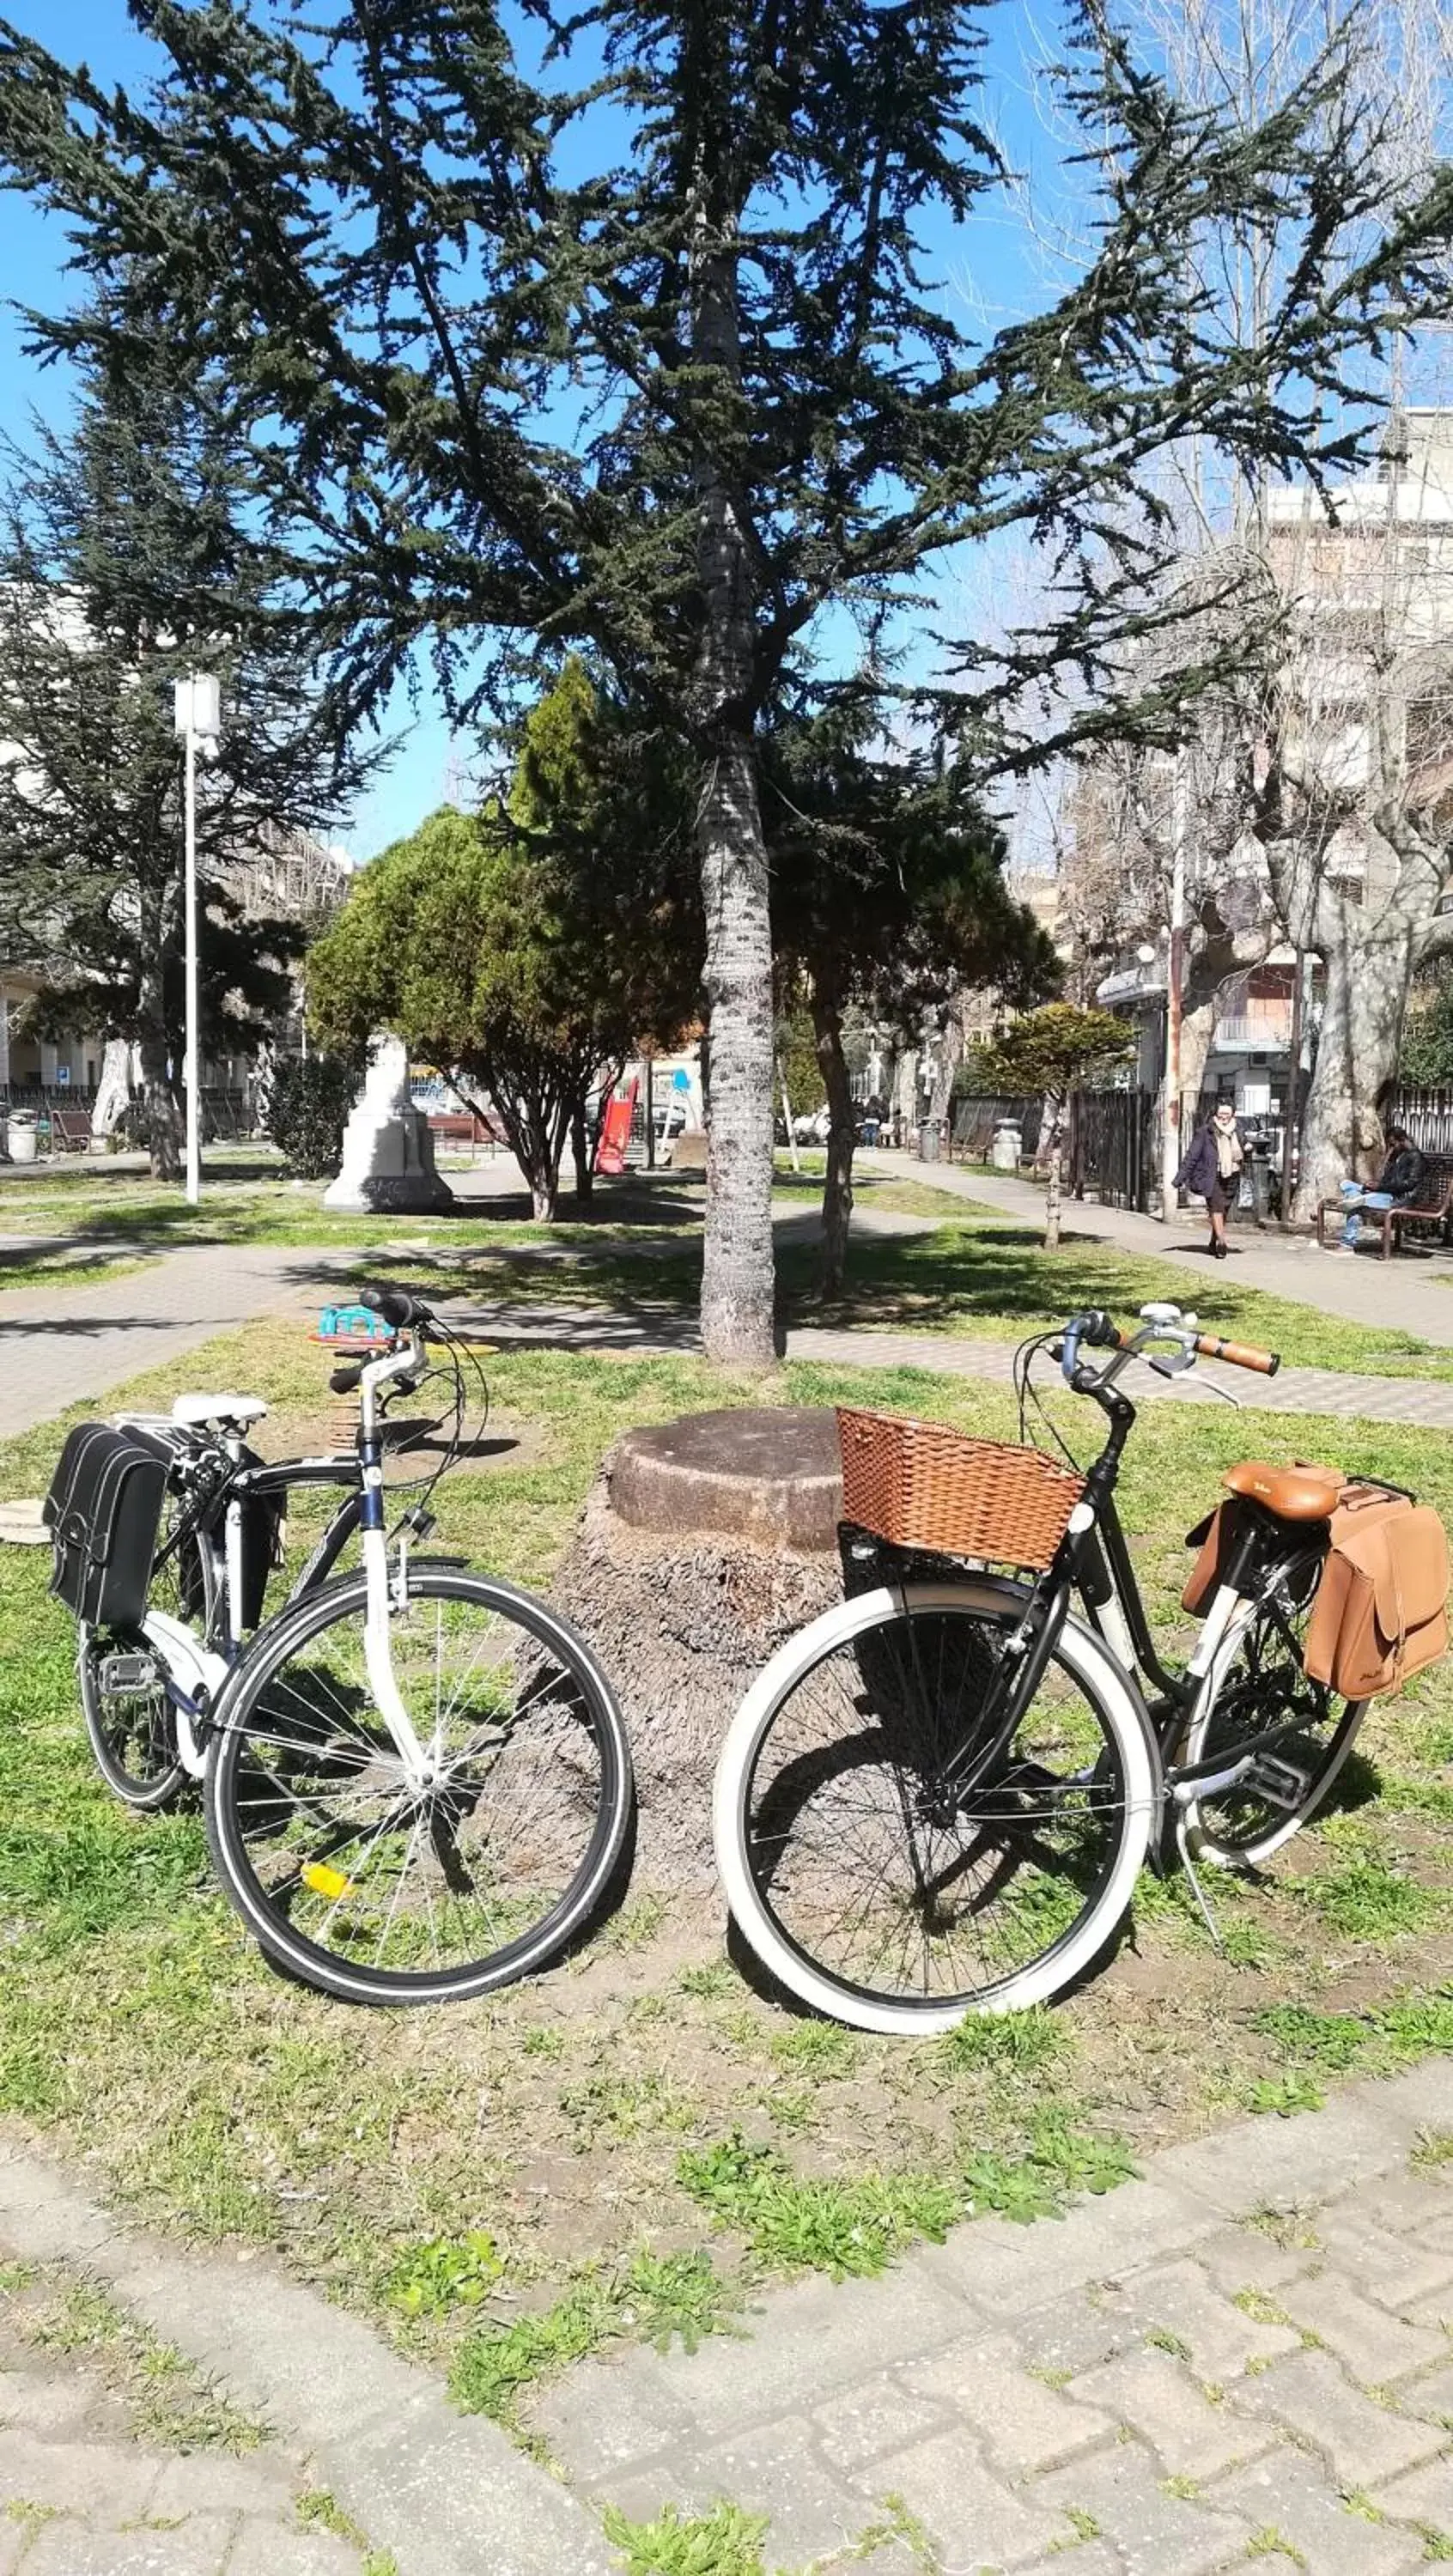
837	1188
951	1056
1198	1028
737	1275
580	1148
1052	1193
163	1111
737	1284
536	1140
1357	1052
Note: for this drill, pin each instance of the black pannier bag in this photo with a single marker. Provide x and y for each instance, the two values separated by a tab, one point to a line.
262	1545
104	1512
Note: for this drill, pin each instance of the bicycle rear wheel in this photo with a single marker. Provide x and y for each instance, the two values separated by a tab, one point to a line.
1261	1684
870	1896
377	1892
128	1715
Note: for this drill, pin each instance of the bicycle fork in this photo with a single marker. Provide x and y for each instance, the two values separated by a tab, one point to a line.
418	1766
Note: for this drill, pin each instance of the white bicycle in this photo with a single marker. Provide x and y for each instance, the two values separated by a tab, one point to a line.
416	1780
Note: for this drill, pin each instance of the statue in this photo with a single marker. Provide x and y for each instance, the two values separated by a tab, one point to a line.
388	1152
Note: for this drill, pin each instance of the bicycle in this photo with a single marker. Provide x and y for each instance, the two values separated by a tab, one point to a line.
416	1780
936	1799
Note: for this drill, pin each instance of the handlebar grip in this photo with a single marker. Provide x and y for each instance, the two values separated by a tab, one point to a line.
344	1380
1239	1354
396	1305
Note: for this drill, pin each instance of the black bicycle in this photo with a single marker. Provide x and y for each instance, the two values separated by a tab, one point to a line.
936	1799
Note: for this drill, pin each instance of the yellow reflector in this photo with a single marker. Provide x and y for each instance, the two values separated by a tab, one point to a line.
325	1881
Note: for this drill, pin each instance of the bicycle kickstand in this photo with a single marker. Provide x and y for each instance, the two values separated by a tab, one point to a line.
1203	1902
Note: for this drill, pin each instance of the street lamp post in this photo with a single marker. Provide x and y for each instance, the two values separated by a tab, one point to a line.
198	720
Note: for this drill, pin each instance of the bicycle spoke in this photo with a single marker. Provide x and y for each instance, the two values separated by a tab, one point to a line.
866	1865
391	1877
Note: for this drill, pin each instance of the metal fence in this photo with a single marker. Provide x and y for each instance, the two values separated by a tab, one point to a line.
1111	1146
1427	1116
1108	1141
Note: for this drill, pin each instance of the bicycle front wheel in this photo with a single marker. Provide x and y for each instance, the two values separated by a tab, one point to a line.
379	1892
872	1895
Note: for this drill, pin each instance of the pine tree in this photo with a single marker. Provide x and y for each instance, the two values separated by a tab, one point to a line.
123	568
659	365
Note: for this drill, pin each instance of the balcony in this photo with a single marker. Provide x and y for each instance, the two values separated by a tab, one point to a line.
1254	1033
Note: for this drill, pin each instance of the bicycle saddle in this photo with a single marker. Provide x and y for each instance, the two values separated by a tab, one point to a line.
1293	1493
194	1410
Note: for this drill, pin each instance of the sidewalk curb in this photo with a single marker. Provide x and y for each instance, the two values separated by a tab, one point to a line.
449	2494
813	2341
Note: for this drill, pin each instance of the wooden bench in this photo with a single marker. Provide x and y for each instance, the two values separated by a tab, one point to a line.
70	1131
1434	1208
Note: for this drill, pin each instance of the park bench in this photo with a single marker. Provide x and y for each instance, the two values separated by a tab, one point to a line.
1434	1208
467	1127
70	1131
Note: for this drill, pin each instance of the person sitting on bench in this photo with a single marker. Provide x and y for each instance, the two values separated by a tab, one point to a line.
1401	1183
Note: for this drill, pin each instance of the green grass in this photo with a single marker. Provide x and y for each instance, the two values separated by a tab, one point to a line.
725	2542
508	2185
972	1274
654	2298
985	1278
65	1270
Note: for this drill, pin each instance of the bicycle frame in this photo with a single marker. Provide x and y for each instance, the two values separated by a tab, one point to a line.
197	1668
1093	1562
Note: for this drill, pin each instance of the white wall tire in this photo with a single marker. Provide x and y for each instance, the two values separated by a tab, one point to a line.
1104	1686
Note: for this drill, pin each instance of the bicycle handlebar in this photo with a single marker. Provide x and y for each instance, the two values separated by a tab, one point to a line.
1100	1332
398	1306
1239	1354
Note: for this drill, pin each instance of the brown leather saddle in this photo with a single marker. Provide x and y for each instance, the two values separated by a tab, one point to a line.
1292	1493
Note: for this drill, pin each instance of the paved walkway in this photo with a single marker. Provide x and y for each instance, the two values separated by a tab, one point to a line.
63	1346
1412	1294
446	2495
91	2485
1246	2355
59	1346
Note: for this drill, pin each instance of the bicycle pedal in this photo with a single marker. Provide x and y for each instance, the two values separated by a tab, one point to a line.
123	1673
1281	1784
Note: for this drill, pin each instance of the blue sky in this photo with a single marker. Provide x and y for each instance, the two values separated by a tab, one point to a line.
32	257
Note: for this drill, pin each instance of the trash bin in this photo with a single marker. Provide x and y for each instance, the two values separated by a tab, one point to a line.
22	1137
1007	1149
930	1136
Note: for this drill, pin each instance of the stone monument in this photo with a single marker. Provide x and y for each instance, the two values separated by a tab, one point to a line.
388	1152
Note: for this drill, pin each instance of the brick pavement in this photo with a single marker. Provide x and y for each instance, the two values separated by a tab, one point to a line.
87	2491
415	2489
1247	2354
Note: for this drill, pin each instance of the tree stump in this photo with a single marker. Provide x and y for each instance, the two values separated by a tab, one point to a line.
703	1545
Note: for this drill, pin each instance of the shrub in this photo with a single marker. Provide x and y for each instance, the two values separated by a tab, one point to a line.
307	1110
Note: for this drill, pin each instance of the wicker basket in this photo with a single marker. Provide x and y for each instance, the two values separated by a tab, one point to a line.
920	1485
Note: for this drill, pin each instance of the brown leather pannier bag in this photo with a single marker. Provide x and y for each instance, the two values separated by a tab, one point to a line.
1381	1611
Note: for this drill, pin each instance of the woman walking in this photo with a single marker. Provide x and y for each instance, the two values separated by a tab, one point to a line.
1210	1170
